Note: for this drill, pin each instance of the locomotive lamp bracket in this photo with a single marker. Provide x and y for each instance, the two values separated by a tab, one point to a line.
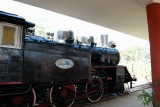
133	79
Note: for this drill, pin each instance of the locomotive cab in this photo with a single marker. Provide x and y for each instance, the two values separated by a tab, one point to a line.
11	47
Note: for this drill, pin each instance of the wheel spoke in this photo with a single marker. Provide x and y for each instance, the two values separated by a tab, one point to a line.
94	89
62	96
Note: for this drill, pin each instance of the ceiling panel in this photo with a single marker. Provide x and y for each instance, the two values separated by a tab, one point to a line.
127	16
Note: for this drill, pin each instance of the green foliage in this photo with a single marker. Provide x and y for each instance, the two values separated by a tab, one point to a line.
146	98
158	104
137	60
136	53
40	30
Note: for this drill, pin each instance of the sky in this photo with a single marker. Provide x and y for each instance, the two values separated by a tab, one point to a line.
55	21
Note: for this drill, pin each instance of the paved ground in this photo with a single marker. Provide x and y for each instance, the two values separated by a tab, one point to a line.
122	101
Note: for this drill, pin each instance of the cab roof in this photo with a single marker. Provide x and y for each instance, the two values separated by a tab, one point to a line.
15	19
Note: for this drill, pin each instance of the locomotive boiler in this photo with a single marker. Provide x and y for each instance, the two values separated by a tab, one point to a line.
35	71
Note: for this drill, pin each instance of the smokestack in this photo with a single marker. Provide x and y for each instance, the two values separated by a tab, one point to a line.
104	40
91	39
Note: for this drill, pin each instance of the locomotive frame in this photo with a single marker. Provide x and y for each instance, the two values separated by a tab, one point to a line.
37	72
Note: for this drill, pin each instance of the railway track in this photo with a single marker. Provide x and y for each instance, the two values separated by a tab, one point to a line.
85	103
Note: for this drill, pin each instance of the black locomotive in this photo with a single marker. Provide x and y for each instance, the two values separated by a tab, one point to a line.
35	71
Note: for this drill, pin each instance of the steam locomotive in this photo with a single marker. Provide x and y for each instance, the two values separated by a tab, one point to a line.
35	71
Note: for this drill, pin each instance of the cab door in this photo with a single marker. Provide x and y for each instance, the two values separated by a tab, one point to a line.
10	53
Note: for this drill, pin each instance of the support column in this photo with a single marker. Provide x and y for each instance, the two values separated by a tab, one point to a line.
153	15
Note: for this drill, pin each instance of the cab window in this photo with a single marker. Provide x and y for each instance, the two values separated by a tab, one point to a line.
10	35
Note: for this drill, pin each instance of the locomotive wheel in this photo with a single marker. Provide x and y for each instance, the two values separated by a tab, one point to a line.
94	89
26	100
62	96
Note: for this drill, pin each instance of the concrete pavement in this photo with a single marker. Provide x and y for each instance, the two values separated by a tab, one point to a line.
122	101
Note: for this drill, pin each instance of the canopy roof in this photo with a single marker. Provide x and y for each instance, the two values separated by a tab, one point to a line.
127	16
